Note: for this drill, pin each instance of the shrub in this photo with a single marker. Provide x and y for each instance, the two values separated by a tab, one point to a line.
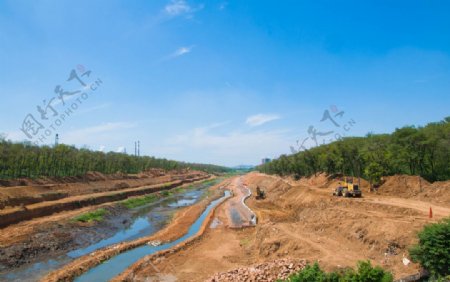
432	251
311	274
365	273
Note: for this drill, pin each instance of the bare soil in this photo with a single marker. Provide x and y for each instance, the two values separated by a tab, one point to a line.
179	225
302	220
78	195
42	235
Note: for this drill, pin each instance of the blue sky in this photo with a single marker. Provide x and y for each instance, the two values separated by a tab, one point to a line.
224	82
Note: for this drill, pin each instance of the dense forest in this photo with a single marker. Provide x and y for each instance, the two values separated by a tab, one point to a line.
410	150
26	160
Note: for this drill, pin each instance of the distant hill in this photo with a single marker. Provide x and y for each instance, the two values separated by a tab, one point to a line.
243	167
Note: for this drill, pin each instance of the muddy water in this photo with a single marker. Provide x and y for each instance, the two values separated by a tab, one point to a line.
116	265
144	221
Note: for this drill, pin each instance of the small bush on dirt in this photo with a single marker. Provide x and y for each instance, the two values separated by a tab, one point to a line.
365	273
96	215
140	201
432	251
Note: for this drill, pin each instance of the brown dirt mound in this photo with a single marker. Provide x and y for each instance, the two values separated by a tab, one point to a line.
407	186
319	180
323	180
92	176
439	191
403	185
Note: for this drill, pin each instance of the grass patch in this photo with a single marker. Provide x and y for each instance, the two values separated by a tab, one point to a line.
179	190
166	193
96	215
140	201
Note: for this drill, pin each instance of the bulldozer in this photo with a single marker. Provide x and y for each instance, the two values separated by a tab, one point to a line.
347	188
260	194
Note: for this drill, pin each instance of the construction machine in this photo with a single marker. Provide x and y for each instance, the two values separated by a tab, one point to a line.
347	188
260	194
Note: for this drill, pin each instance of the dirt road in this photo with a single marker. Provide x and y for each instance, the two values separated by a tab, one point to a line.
239	214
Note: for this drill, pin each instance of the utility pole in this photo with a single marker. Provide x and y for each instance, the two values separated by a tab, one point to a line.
138	148
135	148
56	139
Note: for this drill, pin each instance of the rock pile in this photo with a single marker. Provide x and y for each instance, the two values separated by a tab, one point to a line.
268	271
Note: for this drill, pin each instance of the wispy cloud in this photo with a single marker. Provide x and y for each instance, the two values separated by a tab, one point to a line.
179	52
177	7
261	119
182	51
105	127
180	7
97	132
94	108
247	147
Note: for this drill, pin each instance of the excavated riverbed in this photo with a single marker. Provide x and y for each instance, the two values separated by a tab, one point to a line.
120	225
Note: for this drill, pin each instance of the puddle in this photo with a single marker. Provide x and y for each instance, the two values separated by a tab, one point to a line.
236	217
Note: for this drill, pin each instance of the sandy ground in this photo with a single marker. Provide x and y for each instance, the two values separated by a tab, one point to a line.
300	220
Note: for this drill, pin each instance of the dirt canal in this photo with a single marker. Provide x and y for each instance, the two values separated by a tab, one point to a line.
23	263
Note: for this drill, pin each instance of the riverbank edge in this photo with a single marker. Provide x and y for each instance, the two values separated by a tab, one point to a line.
127	275
179	225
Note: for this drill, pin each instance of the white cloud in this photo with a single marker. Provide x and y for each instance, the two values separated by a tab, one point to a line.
182	51
102	148
261	119
202	144
179	52
121	149
180	7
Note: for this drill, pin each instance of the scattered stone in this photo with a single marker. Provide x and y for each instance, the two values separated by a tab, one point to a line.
268	271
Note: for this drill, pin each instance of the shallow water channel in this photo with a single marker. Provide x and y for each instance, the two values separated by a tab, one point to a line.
145	221
117	264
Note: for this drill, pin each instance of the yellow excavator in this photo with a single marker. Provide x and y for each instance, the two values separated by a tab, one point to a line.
346	188
260	194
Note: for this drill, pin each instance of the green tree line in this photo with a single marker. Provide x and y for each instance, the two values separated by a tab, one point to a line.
26	160
423	151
